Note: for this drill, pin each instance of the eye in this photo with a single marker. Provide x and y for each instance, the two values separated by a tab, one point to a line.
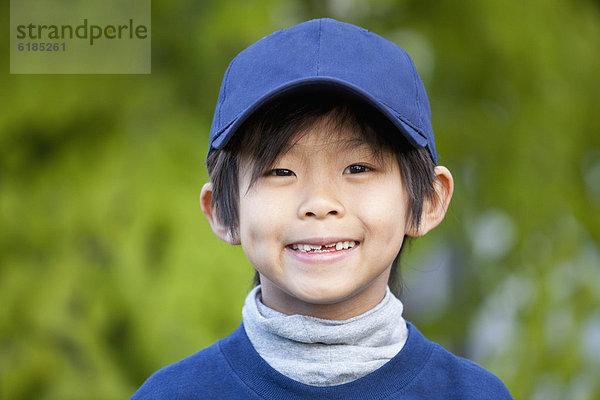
356	169
280	172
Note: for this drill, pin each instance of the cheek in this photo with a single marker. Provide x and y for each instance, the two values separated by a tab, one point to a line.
260	227
387	235
383	206
251	223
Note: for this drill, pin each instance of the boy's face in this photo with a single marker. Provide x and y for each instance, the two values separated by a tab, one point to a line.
324	225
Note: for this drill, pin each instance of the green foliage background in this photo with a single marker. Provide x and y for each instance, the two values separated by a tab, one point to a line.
108	270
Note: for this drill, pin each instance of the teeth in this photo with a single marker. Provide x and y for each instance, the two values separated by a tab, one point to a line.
348	244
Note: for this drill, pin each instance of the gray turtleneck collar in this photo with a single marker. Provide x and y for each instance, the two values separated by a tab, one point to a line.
324	352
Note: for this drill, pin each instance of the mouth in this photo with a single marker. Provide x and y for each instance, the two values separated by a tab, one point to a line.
327	248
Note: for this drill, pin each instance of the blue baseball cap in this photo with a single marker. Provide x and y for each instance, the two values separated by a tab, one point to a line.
330	54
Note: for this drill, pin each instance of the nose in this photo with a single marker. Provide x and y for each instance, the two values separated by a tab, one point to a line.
320	200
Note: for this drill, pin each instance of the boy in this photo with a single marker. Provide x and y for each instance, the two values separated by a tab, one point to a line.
322	162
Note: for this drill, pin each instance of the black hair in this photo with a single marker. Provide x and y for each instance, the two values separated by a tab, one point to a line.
274	129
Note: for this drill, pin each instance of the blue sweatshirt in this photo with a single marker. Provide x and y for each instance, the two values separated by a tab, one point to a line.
232	369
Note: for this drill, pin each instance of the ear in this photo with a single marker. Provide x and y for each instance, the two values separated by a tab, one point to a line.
211	215
434	210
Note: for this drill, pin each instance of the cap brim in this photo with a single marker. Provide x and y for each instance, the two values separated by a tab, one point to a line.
413	135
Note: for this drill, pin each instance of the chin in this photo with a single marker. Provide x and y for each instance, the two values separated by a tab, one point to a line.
323	294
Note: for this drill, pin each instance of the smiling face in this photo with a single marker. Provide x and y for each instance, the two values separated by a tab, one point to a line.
323	224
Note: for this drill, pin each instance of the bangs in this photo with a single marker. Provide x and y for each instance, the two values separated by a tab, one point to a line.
277	127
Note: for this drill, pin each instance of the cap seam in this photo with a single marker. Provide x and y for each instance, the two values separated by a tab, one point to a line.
225	82
319	48
416	85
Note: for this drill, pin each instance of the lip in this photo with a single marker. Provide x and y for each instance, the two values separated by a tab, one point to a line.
324	257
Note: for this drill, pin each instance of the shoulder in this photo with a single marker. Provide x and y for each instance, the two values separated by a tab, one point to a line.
202	374
454	377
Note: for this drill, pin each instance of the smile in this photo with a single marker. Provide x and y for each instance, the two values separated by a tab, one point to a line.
328	248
